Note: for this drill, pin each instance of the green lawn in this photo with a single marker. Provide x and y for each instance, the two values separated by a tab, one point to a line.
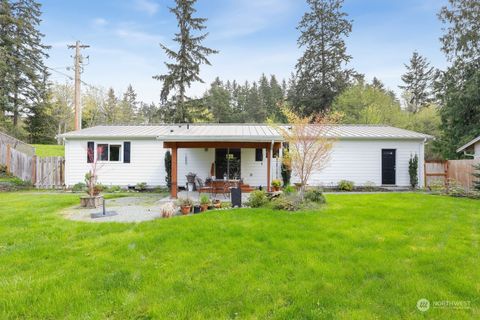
362	257
49	150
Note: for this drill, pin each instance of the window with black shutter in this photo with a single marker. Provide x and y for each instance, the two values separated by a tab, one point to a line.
259	154
90	151
126	152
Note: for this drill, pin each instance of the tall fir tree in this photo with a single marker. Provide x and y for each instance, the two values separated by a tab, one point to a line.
458	86
217	100
191	54
24	73
418	82
321	72
129	106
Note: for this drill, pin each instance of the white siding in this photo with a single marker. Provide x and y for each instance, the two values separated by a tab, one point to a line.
146	163
356	160
360	161
195	160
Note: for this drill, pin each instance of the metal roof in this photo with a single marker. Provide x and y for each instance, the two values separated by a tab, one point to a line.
477	139
235	132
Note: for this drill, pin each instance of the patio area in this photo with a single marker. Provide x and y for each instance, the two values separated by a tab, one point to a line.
195	196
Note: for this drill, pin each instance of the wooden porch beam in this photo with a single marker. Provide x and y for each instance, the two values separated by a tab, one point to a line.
221	144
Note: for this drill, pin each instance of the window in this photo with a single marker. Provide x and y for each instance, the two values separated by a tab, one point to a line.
114	152
259	154
106	152
102	152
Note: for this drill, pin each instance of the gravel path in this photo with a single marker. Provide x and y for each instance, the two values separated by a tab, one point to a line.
128	209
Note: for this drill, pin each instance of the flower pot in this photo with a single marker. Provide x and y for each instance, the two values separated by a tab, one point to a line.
185	209
276	188
204	207
217	204
91	202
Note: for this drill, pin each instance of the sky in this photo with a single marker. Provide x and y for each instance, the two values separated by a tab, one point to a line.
253	37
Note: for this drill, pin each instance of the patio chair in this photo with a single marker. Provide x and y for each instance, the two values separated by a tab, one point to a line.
203	188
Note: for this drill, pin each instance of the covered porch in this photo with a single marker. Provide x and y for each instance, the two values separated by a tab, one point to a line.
250	162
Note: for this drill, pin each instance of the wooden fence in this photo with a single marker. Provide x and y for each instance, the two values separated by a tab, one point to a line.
459	171
43	173
16	144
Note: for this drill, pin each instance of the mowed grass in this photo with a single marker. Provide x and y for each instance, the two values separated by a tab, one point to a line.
49	150
361	257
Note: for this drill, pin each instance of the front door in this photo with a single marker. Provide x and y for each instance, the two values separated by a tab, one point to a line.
388	166
227	163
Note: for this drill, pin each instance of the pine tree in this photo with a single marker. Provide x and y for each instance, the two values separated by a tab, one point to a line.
320	72
217	100
418	82
25	54
187	60
129	106
111	110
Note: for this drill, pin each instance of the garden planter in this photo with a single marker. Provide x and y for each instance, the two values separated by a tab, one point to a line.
185	209
91	202
276	189
217	204
204	207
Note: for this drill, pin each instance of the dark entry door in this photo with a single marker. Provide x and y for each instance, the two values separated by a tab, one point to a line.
388	166
227	162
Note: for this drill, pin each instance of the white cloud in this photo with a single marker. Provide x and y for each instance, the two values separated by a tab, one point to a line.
246	17
148	6
138	36
99	22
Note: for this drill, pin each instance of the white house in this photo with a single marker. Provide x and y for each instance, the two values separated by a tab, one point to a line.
472	148
128	155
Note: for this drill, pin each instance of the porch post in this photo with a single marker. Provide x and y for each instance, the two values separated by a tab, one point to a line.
174	185
269	155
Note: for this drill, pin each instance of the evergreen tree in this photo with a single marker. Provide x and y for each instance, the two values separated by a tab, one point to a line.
320	73
128	106
187	60
218	101
418	82
24	71
254	111
110	110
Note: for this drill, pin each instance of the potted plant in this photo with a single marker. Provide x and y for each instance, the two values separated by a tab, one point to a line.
217	204
185	205
276	184
93	198
204	202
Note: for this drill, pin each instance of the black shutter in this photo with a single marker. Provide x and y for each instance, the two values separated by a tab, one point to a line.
259	154
126	152
90	151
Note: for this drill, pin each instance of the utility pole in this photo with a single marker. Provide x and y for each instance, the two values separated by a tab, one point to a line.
78	71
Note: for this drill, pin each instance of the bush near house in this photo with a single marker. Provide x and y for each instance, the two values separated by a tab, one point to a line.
346	185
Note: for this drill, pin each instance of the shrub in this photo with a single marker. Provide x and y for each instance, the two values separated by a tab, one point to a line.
204	199
114	189
289	189
369	186
79	187
413	171
141	186
346	185
100	187
437	186
3	170
455	189
276	183
257	199
315	195
290	202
